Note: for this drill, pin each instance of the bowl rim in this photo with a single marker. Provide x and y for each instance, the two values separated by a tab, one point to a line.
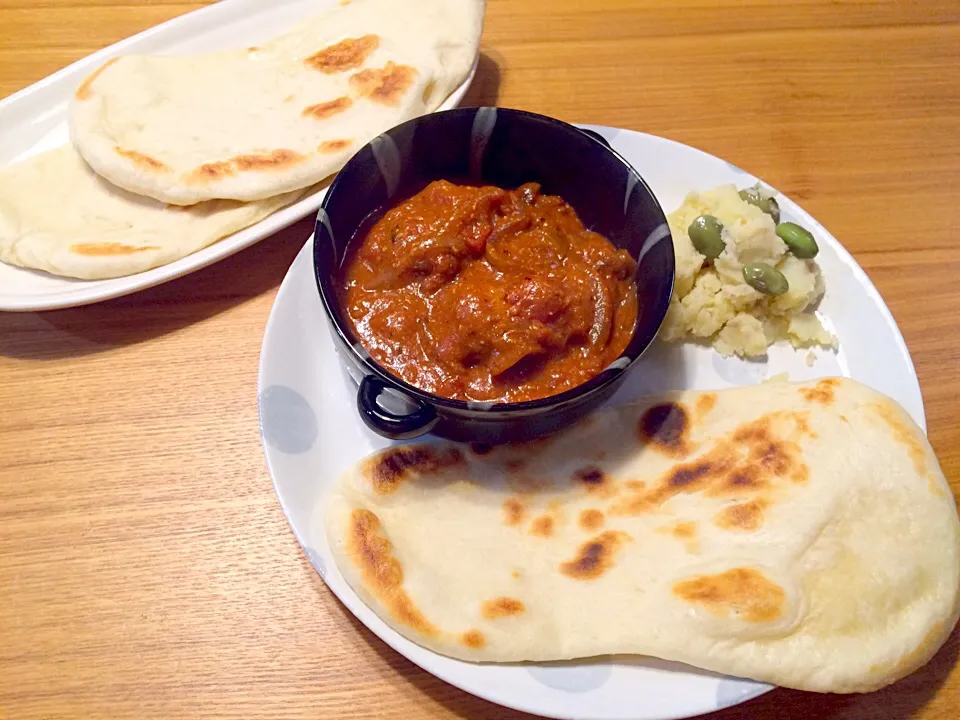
580	392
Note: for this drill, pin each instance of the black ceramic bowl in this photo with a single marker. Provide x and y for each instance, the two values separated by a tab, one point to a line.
492	146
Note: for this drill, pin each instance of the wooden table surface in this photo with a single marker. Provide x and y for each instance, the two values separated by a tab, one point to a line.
146	570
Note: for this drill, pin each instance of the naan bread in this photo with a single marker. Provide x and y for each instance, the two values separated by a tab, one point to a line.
57	215
256	122
798	534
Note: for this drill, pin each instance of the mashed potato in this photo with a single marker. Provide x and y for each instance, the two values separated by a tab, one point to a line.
712	302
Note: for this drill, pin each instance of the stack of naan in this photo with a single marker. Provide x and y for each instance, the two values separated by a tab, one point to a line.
798	534
170	154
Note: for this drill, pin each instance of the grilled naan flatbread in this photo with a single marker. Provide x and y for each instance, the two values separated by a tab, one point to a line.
57	215
798	534
251	123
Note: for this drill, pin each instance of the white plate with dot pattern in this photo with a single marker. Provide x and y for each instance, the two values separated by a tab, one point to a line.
311	434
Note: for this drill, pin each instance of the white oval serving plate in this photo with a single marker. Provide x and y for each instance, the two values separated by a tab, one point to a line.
35	120
311	434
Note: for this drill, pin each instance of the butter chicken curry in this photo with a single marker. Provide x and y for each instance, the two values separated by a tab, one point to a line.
485	294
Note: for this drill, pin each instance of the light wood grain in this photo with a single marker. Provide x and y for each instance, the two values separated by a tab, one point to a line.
146	568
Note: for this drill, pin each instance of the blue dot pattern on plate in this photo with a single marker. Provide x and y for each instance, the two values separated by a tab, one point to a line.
730	692
317	561
738	371
572	678
288	422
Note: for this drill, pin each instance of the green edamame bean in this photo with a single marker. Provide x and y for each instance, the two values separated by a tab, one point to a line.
765	278
706	235
767	203
798	239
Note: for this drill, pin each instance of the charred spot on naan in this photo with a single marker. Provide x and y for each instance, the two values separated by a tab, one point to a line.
685	531
768	457
502	607
666	427
144	162
705	403
821	393
382	573
802	421
800	474
590	476
893	418
766	451
276	160
750	460
321	111
742	593
473	639
386	85
85	89
745	479
373	551
902	435
542	526
591	519
345	55
479	448
513	511
331	146
687	477
683	478
595	480
107	249
212	171
742	517
387	470
595	556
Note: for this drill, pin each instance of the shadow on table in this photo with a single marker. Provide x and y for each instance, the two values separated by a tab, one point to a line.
160	310
457	701
899	701
485	88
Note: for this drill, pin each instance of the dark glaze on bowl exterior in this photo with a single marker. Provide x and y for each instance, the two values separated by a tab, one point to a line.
505	148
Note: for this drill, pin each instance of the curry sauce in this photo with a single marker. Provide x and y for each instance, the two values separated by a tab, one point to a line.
486	294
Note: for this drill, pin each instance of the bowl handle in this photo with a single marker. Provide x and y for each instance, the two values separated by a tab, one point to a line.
386	423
